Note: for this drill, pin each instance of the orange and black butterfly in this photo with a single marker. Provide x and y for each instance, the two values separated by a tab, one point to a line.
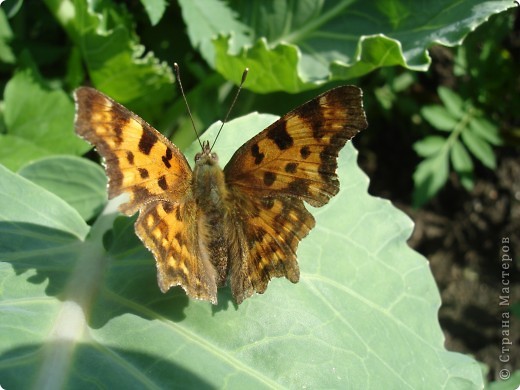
242	223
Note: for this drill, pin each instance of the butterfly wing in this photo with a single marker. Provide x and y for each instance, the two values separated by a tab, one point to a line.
291	161
142	163
267	239
297	155
169	230
139	161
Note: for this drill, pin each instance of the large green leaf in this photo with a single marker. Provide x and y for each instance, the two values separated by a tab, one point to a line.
363	314
293	45
80	182
38	233
21	203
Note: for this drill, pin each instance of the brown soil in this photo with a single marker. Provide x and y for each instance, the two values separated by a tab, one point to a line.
462	236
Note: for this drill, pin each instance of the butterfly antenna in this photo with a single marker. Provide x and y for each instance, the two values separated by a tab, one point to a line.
178	74
244	76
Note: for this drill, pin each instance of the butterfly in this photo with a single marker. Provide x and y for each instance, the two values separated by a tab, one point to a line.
241	224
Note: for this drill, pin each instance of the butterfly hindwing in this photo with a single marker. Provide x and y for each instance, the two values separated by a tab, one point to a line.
271	235
169	231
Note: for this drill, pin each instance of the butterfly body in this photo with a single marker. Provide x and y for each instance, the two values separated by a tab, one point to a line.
213	219
241	224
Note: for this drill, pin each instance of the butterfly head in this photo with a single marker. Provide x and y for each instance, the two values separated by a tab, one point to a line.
206	156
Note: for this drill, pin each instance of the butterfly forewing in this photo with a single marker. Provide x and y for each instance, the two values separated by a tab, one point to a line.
139	160
297	155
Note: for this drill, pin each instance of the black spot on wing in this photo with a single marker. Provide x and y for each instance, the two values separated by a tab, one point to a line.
267	203
255	152
305	152
167	207
269	178
291	167
162	183
130	157
143	173
147	141
167	157
279	135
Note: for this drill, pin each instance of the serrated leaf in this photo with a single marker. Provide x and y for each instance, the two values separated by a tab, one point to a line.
479	148
429	177
462	164
439	117
483	128
429	146
80	182
452	101
38	119
357	270
116	63
328	40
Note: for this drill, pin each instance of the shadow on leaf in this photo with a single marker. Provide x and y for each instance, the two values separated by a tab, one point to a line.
70	364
